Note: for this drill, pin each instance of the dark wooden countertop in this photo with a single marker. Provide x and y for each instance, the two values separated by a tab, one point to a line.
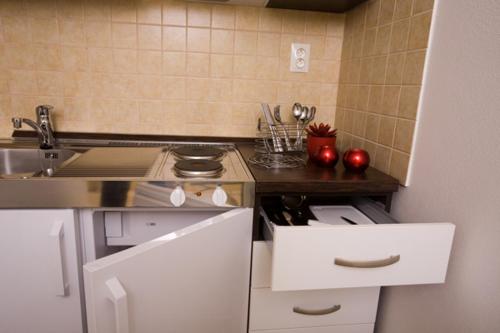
313	179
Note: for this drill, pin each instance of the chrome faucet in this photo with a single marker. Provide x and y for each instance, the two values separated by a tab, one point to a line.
42	125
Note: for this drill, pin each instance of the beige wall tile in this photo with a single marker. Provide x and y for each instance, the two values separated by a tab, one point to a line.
76	84
22	82
271	20
267	68
222	41
44	30
382	158
149	62
18	56
333	48
97	10
174	12
197	89
47	58
375	99
124	61
399	38
372	127
359	123
49	83
378	70
422	5
198	40
245	42
198	64
404	135
386	131
386	11
369	42
198	15
372	13
98	34
316	23
399	165
174	87
391	100
363	95
414	68
72	32
419	31
223	17
149	37
221	65
149	86
402	9
16	29
268	44
335	25
245	66
174	63
124	35
383	39
100	59
71	10
294	22
74	58
408	102
366	70
41	8
395	66
123	11
149	11
174	38
247	18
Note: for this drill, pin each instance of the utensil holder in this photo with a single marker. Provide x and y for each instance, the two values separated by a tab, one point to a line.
289	135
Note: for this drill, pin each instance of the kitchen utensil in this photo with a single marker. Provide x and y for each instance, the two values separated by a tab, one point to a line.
348	220
300	126
270	122
277	116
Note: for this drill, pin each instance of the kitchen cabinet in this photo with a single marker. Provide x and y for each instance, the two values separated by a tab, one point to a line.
40	289
194	279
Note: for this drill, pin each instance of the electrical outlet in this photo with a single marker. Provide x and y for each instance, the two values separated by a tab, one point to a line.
299	57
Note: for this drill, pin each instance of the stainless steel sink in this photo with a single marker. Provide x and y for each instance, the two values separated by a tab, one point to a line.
31	161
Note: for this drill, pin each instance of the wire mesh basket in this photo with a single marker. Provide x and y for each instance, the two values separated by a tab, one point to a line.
283	138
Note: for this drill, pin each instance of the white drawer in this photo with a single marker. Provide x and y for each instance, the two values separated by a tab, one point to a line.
361	328
333	254
293	309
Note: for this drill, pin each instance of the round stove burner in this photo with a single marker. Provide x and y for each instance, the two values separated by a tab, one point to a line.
198	168
198	153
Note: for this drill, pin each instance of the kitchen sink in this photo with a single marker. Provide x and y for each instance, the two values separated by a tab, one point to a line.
32	161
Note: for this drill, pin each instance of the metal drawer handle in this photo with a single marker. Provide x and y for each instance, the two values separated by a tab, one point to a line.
321	312
368	264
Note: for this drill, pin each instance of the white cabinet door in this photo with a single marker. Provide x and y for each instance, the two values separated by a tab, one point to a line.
193	280
39	283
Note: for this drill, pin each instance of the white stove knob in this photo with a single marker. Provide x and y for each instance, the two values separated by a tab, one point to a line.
219	197
178	197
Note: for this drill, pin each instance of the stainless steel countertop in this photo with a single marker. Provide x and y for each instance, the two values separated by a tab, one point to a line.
95	191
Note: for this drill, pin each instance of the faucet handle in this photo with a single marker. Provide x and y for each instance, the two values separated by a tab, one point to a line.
17	122
43	113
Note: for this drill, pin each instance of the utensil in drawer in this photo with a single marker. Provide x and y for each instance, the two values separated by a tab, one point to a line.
348	220
270	121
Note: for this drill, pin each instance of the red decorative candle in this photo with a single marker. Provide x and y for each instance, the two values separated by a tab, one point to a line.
327	156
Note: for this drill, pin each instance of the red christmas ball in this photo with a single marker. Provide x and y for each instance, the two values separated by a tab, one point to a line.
327	156
356	160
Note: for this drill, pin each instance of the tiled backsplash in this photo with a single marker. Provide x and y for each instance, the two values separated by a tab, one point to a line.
164	67
382	63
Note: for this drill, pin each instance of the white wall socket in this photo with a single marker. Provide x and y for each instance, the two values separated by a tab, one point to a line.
299	57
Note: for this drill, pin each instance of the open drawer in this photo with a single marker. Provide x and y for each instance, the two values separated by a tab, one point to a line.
331	253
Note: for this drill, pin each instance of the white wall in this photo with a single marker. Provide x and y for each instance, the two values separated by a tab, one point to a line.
455	174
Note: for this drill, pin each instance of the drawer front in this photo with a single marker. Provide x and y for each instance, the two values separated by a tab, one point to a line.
261	265
293	309
338	256
361	328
